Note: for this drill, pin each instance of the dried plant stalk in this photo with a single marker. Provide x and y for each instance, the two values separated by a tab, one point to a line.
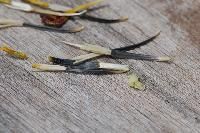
83	58
56	7
42	11
91	48
45	67
84	6
38	3
114	67
5	23
11	22
103	20
28	8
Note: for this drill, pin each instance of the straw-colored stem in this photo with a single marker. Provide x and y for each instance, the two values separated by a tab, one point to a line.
83	58
49	12
38	3
4	23
28	8
96	49
164	59
114	67
103	20
76	29
91	48
45	67
84	6
8	25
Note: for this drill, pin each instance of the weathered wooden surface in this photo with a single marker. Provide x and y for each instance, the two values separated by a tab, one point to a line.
63	102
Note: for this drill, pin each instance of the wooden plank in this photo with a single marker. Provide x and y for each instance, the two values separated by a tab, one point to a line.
67	102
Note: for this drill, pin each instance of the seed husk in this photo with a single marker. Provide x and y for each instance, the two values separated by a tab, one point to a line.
62	62
92	66
121	53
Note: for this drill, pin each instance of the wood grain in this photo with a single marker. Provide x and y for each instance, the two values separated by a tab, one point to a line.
67	102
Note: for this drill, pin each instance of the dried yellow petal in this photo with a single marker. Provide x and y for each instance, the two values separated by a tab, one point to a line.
14	53
5	1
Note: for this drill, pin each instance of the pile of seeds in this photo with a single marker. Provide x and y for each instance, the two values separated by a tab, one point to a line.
54	16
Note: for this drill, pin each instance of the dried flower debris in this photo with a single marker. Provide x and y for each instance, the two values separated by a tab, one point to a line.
134	82
5	23
54	16
29	8
120	53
